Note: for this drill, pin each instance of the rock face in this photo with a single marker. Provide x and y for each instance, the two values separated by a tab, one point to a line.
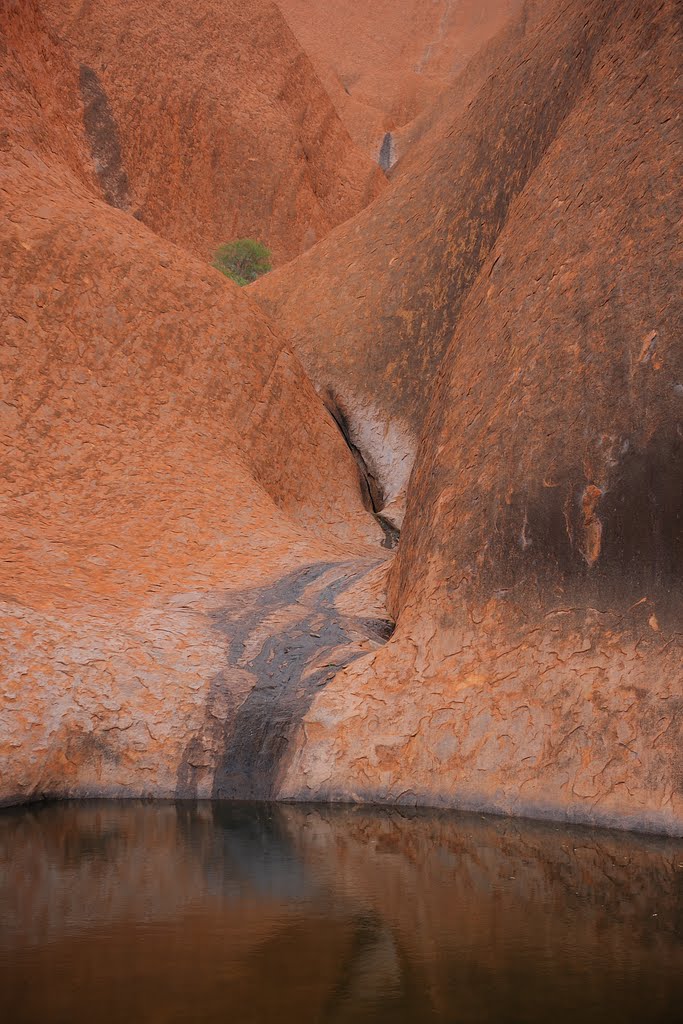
161	448
208	123
536	667
194	587
372	310
385	64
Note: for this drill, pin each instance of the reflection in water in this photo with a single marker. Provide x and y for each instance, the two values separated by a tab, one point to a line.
252	914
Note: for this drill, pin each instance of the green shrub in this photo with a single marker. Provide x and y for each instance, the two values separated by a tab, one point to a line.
242	261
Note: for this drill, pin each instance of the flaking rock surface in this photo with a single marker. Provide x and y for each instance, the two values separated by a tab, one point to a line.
537	663
163	457
207	122
372	310
194	592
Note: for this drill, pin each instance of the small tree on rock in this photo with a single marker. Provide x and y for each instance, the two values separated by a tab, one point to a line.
242	261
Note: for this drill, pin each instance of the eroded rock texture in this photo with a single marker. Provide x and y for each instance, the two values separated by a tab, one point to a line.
196	535
162	448
373	309
385	65
215	116
538	581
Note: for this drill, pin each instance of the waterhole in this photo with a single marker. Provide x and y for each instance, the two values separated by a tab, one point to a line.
258	913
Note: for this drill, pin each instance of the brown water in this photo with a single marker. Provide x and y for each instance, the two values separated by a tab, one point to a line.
163	912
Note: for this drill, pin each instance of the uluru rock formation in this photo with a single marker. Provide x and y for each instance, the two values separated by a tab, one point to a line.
207	122
202	484
373	309
386	64
160	445
537	585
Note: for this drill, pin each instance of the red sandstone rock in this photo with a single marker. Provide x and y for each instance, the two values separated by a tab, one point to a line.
193	589
207	122
373	309
384	63
161	448
537	667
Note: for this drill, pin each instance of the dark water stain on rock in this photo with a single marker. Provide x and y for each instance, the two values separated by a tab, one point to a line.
386	153
615	541
103	138
292	639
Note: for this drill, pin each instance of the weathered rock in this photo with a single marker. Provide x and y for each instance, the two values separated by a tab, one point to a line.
536	667
373	309
384	64
161	449
193	586
208	122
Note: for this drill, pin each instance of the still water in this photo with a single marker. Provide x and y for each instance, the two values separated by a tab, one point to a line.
251	914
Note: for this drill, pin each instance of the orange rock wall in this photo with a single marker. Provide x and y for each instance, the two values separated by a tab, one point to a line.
373	309
161	446
207	122
193	589
536	668
383	64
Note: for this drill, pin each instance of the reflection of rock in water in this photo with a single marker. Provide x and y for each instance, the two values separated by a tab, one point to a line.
345	914
250	845
370	974
387	157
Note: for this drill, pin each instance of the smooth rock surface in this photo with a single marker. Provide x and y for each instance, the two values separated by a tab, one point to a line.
384	64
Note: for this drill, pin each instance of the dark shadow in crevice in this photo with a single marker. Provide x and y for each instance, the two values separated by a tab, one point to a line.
370	488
